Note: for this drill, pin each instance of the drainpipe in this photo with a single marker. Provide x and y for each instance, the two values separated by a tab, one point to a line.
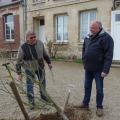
113	8
24	5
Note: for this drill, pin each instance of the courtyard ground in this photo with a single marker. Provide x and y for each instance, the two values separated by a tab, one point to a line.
68	75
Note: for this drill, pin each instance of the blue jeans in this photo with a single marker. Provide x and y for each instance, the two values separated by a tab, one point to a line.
89	76
30	77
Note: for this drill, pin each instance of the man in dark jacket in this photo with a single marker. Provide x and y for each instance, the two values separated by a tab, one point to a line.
31	56
97	58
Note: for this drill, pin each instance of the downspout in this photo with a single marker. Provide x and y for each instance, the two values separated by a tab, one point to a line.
24	5
113	1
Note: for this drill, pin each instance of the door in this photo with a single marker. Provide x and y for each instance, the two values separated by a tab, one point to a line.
115	32
42	31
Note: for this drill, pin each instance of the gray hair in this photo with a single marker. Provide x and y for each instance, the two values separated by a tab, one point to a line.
98	23
29	32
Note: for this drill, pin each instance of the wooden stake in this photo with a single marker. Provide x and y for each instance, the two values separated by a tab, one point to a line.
18	98
67	100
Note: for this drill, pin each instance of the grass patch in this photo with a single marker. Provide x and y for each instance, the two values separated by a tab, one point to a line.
64	59
78	61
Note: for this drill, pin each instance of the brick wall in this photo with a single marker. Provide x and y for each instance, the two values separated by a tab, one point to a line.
9	45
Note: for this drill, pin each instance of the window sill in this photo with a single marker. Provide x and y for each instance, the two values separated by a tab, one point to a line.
7	42
60	43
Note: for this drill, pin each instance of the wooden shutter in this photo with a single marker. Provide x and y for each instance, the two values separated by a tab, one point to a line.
2	29
16	28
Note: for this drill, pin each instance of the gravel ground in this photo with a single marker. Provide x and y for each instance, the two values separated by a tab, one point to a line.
68	76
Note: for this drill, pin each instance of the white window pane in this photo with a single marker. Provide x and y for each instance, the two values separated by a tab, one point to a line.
85	20
62	27
65	28
9	18
92	16
60	19
59	28
59	37
84	25
9	27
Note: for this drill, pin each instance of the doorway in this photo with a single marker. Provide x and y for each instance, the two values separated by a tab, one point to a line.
115	32
42	30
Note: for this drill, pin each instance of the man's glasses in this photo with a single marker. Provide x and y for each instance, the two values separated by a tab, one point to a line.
33	37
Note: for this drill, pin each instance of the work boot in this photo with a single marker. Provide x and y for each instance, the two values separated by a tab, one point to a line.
99	112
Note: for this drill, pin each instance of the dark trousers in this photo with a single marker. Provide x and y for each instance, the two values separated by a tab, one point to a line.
30	79
89	76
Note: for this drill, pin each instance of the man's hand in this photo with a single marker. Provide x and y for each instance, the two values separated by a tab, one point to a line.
19	77
103	74
50	66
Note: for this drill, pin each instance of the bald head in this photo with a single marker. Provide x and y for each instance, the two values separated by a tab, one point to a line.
95	27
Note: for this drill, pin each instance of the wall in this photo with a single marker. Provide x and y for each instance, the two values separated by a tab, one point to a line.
50	8
15	9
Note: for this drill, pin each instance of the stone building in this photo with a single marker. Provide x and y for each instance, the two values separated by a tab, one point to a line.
66	22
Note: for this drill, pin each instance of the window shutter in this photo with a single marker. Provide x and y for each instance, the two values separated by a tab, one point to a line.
2	29
16	28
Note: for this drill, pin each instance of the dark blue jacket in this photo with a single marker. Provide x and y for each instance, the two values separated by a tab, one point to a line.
97	52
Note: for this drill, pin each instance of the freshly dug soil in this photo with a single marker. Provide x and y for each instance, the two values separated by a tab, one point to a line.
71	112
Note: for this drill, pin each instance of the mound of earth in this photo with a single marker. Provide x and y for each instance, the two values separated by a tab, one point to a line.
71	112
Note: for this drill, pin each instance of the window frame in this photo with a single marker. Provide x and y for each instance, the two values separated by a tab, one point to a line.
56	28
11	25
88	21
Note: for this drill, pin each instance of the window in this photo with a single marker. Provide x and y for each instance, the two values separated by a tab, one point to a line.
117	17
42	22
9	27
61	28
35	1
85	19
38	1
